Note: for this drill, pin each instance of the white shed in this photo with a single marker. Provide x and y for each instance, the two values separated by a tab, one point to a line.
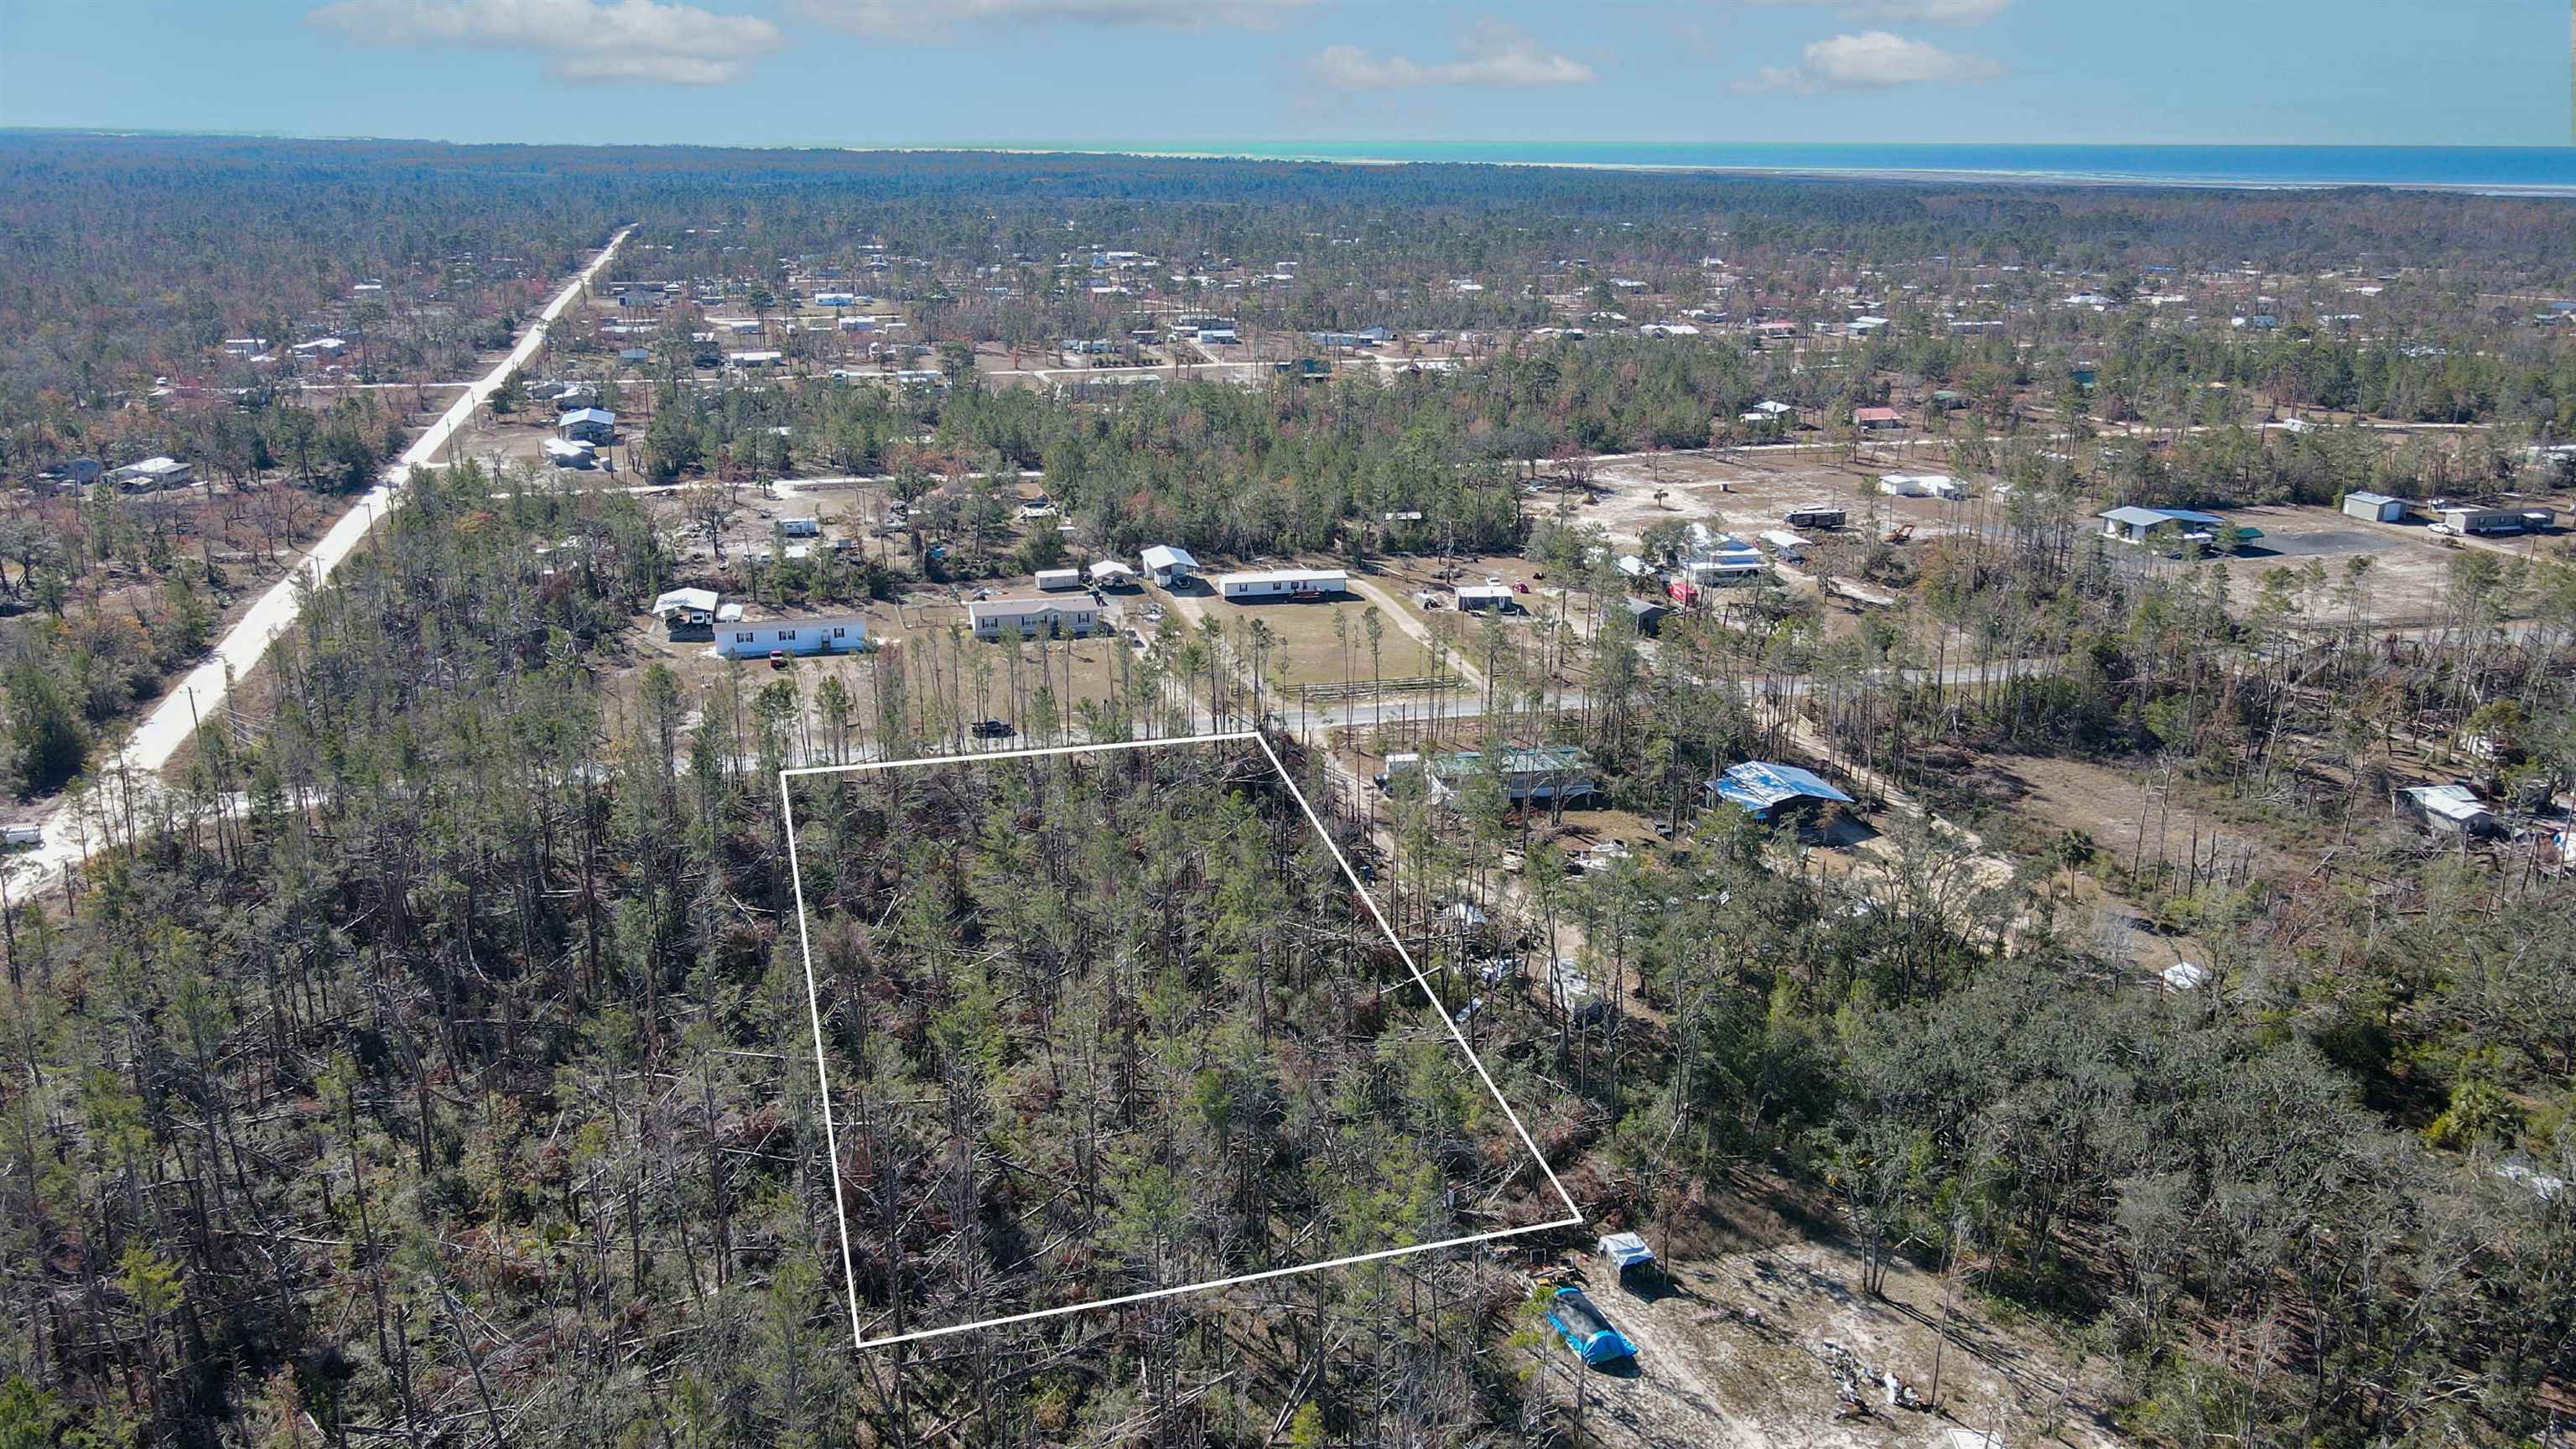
2376	507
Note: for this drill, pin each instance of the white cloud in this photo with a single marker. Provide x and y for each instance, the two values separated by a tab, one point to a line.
939	19
1491	55
1910	12
1872	61
589	40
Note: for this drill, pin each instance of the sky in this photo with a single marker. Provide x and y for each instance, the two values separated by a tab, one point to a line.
1183	73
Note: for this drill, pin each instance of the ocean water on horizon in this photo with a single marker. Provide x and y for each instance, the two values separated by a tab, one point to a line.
2539	169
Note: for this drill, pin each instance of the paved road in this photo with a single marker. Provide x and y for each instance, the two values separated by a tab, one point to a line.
203	691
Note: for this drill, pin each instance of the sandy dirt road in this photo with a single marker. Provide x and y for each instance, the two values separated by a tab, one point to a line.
203	690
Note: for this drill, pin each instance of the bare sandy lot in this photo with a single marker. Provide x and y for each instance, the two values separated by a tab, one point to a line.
1736	1348
1751	490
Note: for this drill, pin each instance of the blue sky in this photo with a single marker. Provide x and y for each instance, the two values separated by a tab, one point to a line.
1179	72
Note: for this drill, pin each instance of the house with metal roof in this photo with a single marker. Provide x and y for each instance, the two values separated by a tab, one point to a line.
588	425
1526	773
1761	789
1169	563
2132	524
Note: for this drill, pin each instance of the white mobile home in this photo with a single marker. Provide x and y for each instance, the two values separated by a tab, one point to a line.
2486	520
1921	485
1058	581
800	527
1815	515
1025	618
760	638
1254	588
1479	598
1789	546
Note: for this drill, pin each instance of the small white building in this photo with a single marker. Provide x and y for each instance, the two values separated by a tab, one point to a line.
760	638
1169	564
152	475
567	453
2453	808
1028	618
1265	585
1789	546
685	609
1058	581
1921	485
2374	507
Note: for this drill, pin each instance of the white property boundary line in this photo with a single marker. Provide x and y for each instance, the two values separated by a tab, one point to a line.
831	1142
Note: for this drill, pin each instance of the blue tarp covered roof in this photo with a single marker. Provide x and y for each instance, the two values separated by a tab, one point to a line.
1758	787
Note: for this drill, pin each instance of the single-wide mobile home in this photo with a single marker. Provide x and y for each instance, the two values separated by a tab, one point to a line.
1030	618
1815	515
1270	584
760	638
1058	581
1789	546
2485	520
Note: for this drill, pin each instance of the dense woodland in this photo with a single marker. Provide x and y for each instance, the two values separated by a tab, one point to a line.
432	1060
1140	993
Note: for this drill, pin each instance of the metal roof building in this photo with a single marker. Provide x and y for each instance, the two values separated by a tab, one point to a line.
1761	788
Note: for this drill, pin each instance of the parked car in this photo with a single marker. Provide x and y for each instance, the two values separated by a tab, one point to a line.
990	729
1585	1330
777	658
